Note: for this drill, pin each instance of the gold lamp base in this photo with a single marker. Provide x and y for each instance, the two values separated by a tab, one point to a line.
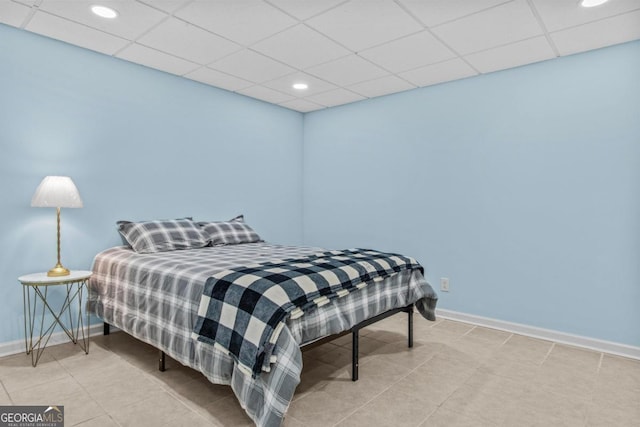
58	271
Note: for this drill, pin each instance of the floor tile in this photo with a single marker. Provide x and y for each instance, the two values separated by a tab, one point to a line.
544	408
457	328
68	349
620	370
21	363
174	374
81	408
613	413
116	395
357	393
101	421
391	408
490	335
446	418
486	397
226	412
42	394
192	419
521	348
564	379
315	374
385	336
200	391
461	355
316	351
432	389
78	405
4	396
156	410
320	408
339	357
451	367
290	421
522	371
573	358
399	354
476	348
26	377
455	375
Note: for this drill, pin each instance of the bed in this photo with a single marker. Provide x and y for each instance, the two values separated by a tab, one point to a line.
156	297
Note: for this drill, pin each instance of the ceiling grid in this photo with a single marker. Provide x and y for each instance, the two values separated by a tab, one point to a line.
344	50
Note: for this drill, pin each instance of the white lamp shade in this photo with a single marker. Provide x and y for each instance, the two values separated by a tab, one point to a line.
56	192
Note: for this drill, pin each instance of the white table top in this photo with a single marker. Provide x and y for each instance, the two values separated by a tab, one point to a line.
43	279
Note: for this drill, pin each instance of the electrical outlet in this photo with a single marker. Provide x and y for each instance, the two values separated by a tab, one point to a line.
444	284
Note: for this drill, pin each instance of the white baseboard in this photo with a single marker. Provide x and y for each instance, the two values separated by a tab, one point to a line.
15	347
545	334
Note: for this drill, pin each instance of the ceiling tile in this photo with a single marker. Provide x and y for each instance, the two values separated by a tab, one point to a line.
302	105
382	86
606	32
244	22
347	71
409	52
344	49
77	34
435	12
188	41
133	18
300	47
168	6
252	66
360	24
500	25
156	59
335	97
561	14
266	94
304	9
439	73
13	13
512	55
218	79
285	84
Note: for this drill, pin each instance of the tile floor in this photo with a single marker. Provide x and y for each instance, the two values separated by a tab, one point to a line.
456	375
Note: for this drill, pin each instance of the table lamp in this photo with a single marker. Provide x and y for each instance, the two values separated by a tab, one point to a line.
57	192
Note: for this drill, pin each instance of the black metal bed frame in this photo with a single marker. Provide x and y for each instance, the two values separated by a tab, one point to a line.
354	331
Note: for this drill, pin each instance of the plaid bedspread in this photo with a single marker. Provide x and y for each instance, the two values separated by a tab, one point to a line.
155	298
243	310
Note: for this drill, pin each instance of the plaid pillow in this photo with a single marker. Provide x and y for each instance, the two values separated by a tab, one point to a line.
160	236
230	232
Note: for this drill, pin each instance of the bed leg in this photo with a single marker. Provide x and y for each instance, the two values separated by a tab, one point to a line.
106	328
161	361
354	355
410	326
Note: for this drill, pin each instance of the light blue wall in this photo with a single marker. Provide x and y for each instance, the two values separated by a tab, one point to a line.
139	144
521	186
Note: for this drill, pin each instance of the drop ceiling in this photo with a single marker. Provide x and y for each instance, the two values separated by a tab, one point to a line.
345	51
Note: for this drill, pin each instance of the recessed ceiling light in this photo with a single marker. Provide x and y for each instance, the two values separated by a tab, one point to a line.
104	12
300	86
592	3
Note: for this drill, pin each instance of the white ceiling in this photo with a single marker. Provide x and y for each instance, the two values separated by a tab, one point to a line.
346	50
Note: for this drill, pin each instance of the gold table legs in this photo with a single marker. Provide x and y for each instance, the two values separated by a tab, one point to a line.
77	328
